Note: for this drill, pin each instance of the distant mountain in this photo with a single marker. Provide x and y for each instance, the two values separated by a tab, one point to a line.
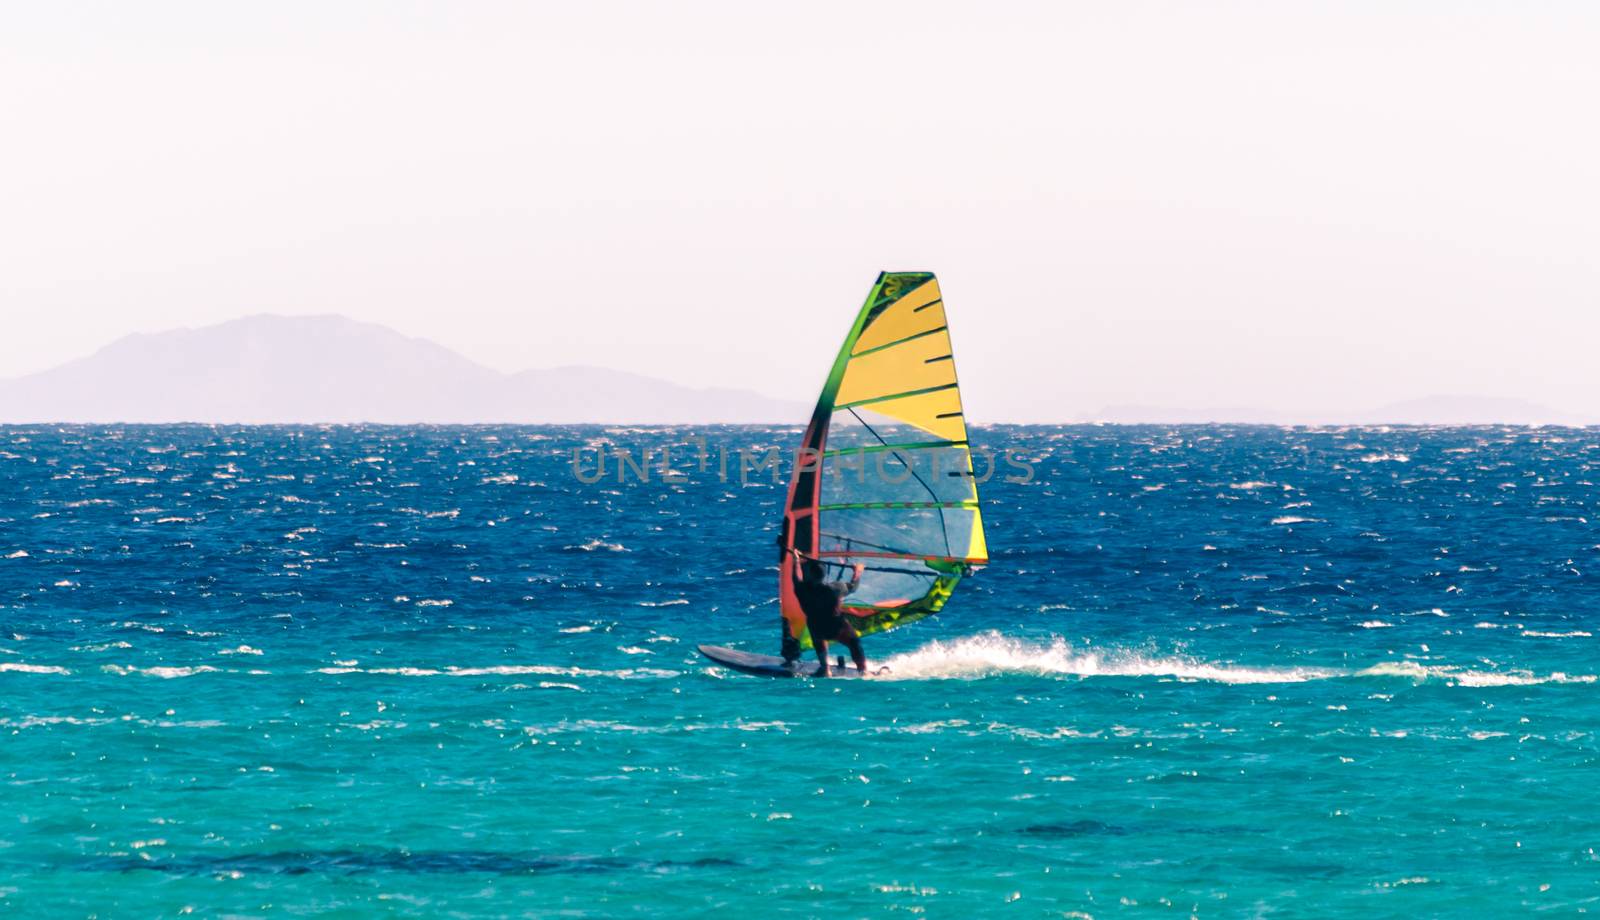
283	369
1431	410
286	369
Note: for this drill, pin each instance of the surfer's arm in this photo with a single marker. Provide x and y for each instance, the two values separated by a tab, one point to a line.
794	570
842	588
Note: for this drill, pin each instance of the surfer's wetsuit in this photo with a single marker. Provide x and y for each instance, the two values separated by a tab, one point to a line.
820	601
825	621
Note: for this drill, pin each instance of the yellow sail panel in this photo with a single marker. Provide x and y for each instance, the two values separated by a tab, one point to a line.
919	312
937	413
978	548
919	364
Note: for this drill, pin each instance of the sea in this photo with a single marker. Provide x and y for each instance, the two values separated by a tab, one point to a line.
452	672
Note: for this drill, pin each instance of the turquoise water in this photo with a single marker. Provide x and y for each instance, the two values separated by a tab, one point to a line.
1220	672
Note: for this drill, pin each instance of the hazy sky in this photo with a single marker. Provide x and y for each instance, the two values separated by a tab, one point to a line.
1268	204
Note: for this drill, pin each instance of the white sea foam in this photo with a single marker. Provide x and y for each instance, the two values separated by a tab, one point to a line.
165	672
25	668
598	544
1411	670
991	654
103	646
503	670
38	721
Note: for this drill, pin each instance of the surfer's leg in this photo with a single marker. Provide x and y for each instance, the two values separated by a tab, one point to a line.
821	645
789	646
852	641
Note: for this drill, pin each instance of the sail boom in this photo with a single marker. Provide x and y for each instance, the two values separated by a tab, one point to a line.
880	554
844	506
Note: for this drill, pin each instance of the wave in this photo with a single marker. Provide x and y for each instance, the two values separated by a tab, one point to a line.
596	544
25	668
501	670
166	672
976	657
1411	670
365	863
993	655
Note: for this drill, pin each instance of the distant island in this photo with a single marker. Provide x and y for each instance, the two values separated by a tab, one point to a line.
329	369
271	369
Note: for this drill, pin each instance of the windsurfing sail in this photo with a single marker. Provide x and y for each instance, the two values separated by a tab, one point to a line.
884	474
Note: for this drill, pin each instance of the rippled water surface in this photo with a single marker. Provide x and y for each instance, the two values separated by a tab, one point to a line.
1212	671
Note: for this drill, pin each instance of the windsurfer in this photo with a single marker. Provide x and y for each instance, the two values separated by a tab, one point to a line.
824	619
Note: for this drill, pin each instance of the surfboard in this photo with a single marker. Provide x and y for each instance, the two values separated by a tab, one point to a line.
772	666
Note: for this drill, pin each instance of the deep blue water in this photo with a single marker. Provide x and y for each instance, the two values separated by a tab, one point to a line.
1212	671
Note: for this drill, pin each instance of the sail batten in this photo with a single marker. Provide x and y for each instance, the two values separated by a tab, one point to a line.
890	475
893	396
879	448
910	338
